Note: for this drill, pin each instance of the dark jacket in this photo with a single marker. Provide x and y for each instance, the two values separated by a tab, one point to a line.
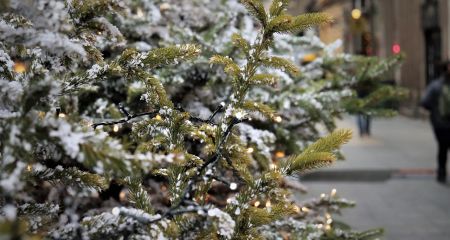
430	101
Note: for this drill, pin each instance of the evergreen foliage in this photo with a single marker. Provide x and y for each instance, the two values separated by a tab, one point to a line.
99	137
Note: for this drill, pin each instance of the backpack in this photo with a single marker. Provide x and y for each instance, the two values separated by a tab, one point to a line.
444	103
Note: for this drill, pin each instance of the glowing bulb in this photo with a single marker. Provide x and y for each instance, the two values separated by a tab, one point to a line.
333	192
356	14
116	211
329	221
322	195
233	186
158	117
278	119
123	195
29	168
280	154
139	13
320	226
309	57
250	150
268	204
272	166
296	209
164	7
305	209
19	67
328	227
62	115
228	200
257	203
115	128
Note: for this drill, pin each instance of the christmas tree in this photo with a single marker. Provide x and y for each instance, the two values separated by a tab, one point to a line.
114	125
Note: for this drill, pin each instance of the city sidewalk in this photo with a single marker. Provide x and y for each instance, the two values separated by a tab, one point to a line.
391	177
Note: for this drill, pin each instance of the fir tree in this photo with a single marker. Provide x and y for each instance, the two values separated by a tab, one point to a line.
97	140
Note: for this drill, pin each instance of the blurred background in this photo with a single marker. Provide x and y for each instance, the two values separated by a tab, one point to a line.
419	28
391	174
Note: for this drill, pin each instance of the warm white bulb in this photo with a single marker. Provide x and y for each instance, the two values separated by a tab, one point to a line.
305	209
272	166
139	13
116	128
257	203
278	119
268	204
123	195
116	211
333	192
233	186
250	150
62	115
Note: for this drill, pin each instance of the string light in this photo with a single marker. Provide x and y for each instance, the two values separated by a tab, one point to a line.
277	119
62	115
280	154
328	227
322	195
320	226
257	203
250	150
305	209
115	128
228	200
116	211
158	117
268	204
309	57
164	7
29	168
296	209
272	166
233	186
19	67
333	192
123	195
139	13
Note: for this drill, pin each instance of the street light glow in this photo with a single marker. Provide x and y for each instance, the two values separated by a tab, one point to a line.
356	14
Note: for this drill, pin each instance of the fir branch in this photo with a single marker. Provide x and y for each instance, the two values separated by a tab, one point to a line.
282	64
171	55
278	7
256	8
264	79
240	42
138	196
318	154
286	23
230	66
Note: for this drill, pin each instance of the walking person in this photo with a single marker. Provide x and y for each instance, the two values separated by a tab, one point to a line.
437	101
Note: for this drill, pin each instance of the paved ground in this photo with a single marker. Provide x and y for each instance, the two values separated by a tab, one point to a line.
390	176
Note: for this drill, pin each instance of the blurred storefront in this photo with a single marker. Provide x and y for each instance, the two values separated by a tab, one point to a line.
418	28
